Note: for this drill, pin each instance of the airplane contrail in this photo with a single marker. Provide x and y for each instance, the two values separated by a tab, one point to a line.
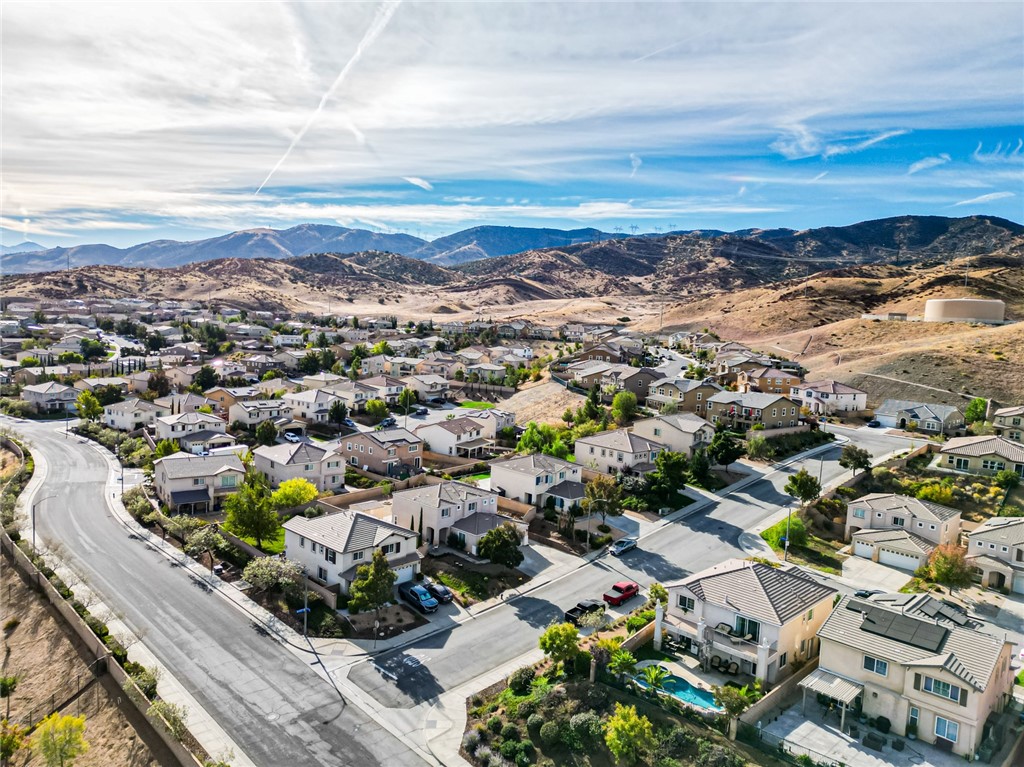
380	21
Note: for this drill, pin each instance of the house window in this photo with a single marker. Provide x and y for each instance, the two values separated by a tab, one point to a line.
198	481
354	461
471	506
331	556
685	603
747	627
412	448
946	729
657	432
803	646
321	573
810	614
962	464
859	513
782	660
992	465
356	556
876	666
898	521
302	542
229	480
308	467
391	548
914	716
942	689
446	512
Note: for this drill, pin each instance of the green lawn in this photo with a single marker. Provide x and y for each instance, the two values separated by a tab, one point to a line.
819	553
275	546
476	405
478	477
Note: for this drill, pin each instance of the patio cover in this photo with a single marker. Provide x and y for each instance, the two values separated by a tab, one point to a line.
189	496
835	687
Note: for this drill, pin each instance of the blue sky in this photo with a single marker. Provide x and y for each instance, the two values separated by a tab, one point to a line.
131	122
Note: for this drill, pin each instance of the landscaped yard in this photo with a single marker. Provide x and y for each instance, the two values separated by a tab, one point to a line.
818	553
270	546
394	620
477	405
472	582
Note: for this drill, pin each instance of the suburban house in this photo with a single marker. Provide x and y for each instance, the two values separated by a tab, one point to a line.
332	547
759	617
428	387
176	426
900	414
256	411
687	394
617	451
132	414
226	397
321	380
205	441
729	367
311	406
899	530
631	379
92	384
939	677
537	477
194	484
354	394
182	377
767	380
389	452
1009	422
448	512
828	397
491	420
746	410
385	388
461	437
49	397
982	455
304	460
995	549
680	433
185	403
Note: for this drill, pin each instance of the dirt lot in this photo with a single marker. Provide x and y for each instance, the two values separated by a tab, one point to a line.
394	620
542	402
50	668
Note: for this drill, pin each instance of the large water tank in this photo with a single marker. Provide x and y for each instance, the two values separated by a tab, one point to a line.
964	310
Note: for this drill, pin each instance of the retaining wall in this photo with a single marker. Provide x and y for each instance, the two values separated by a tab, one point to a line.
779	694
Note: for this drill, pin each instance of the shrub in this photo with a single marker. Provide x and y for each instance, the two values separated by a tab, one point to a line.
510	732
471	741
534	722
11	624
581	664
527	708
636	622
797	533
117	650
550	733
483	753
521	679
604	528
586	725
99	628
522	760
550	515
510	749
494	724
526	747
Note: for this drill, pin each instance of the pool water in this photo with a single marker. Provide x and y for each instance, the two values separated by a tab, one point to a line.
679	688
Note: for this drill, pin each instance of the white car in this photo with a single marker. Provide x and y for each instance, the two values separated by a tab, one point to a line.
292	437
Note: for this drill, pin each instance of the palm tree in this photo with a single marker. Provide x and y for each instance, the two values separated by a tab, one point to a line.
654	676
623	663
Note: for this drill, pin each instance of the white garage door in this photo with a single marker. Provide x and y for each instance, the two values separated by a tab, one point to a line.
405	574
1018	585
896	559
864	550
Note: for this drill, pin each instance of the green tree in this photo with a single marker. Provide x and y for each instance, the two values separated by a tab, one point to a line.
624	407
501	545
407	400
374	584
654	676
206	378
88	406
542	438
310	363
205	540
59	740
975	410
658	592
249	511
1007	479
568	416
725	448
267	573
669	408
855	458
91	349
8	685
700	467
181	526
622	663
266	432
758	449
321	341
628	735
293	492
29	362
12	740
159	383
560	642
337	412
328	359
108	395
592	410
948	565
66	358
602	496
166	447
733	700
803	486
377	410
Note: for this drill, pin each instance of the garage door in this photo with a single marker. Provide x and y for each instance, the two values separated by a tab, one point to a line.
864	550
405	574
1018	585
897	559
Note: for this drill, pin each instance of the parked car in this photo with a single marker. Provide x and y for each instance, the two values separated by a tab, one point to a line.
290	437
439	591
418	597
436	400
575	614
621	592
386	422
349	423
866	593
873	424
420	411
621	546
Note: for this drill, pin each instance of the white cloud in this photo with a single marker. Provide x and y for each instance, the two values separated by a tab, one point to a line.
928	162
1000	154
421	183
799	142
634	162
984	198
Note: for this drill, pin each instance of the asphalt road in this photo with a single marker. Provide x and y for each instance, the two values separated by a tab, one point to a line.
428	667
271	702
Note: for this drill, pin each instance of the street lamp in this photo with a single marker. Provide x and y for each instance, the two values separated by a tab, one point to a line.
36	503
789	514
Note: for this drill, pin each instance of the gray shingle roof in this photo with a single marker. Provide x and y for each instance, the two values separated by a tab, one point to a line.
918	410
912	506
346	530
182	465
771	594
688	423
969	654
1008	531
756	400
622	441
291	453
532	465
448	491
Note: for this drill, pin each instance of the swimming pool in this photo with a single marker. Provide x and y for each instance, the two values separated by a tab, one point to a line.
679	688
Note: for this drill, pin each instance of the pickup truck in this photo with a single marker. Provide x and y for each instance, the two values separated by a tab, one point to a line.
574	614
621	592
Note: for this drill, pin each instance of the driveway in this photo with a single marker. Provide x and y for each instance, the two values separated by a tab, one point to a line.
871	575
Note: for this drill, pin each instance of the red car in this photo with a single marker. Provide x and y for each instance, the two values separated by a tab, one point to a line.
621	592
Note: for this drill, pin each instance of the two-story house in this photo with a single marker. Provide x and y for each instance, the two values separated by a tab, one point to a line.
618	451
321	381
304	460
681	433
177	426
331	548
1009	422
92	384
428	387
899	530
746	410
928	417
767	380
388	452
759	617
385	388
995	549
687	394
311	406
183	375
447	509
828	397
933	676
49	397
986	455
227	397
253	412
185	403
194	484
462	437
631	379
537	477
132	414
354	394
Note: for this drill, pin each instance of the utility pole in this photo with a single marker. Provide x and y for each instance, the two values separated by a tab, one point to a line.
789	514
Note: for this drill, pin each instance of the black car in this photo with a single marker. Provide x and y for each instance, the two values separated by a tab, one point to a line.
420	411
873	424
389	421
866	593
418	597
439	591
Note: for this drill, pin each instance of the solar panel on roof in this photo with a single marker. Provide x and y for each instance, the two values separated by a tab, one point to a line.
902	628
